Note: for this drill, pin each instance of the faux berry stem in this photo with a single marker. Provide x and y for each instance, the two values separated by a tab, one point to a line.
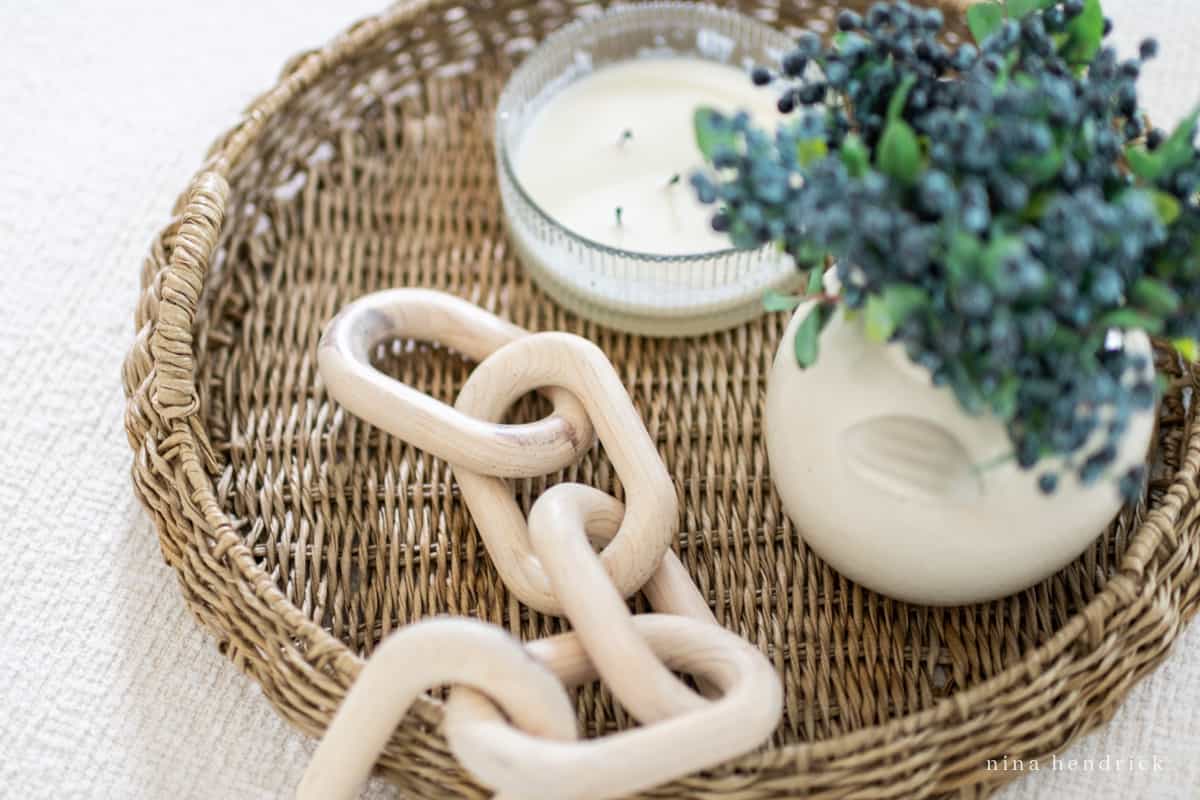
996	208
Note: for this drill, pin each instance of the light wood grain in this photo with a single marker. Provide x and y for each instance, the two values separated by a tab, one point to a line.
522	766
512	451
651	516
558	524
551	555
422	656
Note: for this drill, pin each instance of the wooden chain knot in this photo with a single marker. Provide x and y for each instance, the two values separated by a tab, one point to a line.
509	720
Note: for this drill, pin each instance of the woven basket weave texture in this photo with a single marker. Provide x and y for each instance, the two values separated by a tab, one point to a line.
303	536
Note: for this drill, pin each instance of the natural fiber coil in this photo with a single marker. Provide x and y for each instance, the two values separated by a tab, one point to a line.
302	536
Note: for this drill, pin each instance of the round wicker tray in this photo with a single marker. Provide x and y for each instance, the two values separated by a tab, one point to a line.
303	536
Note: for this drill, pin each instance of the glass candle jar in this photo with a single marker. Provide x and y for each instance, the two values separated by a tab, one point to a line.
594	147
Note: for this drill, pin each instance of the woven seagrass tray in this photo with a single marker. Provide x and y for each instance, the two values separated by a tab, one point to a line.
302	536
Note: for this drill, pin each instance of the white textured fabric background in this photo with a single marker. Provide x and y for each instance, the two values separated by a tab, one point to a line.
107	687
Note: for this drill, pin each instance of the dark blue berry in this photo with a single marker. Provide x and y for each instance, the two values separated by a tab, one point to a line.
808	43
812	93
1038	326
1142	396
1131	484
879	15
1028	452
1107	287
837	73
974	299
1095	465
724	158
794	64
964	58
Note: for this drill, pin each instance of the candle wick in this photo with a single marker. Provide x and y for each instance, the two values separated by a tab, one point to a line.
618	211
626	135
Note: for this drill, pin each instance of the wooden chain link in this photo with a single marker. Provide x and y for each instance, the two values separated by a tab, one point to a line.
509	720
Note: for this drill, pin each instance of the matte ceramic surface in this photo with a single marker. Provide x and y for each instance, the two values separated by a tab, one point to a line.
888	479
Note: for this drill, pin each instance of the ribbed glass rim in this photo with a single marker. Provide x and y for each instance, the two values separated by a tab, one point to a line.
565	33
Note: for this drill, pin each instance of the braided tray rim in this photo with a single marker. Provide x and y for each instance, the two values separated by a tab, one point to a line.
1068	685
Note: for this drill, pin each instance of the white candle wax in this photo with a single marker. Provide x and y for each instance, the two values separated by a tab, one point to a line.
575	161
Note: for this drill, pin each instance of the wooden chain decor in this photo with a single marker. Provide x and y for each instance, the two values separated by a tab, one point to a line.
311	544
550	564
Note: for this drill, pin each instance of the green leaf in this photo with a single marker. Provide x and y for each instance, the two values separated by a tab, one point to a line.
1084	34
983	19
816	281
1066	339
1000	248
742	237
855	155
1187	348
900	97
886	311
810	150
806	254
1044	167
1146	165
963	256
966	389
899	152
711	137
1037	206
997	251
1167	267
878	322
1155	296
1131	319
778	301
806	343
903	300
1166	205
1179	147
1004	401
1022	79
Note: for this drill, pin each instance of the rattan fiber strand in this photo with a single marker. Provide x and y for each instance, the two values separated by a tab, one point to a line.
302	536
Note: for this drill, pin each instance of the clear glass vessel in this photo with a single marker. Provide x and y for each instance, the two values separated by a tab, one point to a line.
644	293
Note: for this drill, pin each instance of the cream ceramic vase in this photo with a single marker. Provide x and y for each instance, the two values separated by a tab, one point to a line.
880	471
